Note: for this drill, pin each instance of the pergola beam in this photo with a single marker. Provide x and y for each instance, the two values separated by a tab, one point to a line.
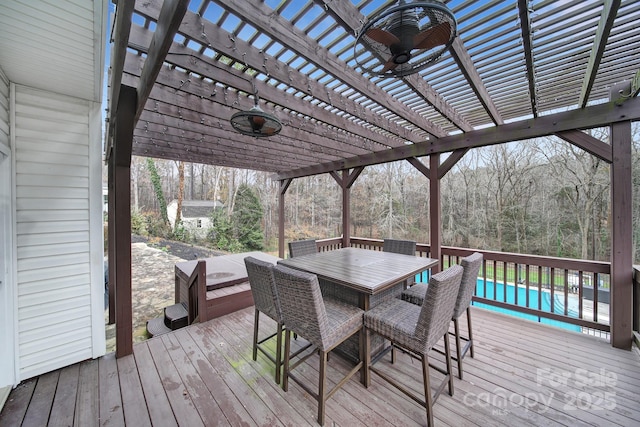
525	27
209	116
263	18
609	12
589	117
591	145
462	58
167	26
245	53
223	75
122	28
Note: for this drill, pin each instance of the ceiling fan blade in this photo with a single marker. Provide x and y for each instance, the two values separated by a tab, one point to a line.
432	37
389	65
382	36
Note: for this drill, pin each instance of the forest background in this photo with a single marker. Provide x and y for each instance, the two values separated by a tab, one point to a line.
542	197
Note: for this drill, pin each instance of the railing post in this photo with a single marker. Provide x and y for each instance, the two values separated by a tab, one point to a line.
636	300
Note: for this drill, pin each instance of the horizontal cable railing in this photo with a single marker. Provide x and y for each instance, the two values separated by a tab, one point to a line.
558	291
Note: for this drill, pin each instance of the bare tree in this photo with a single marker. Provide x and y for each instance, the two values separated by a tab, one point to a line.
584	182
176	225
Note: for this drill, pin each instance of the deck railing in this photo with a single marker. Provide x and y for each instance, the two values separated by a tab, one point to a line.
542	288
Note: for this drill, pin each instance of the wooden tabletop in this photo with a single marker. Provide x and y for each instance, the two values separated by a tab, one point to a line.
364	270
223	270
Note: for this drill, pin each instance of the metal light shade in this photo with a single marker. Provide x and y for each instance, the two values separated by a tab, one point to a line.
255	122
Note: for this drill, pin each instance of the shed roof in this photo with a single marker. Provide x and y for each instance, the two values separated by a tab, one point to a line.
512	61
198	208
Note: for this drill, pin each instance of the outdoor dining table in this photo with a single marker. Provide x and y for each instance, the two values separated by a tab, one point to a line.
361	277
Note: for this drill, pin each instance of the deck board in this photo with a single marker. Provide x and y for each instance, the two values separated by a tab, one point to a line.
180	400
273	408
87	399
205	403
38	412
133	399
233	410
523	374
64	404
17	403
160	412
111	413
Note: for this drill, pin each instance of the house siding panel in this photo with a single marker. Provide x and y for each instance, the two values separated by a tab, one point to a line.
4	110
52	159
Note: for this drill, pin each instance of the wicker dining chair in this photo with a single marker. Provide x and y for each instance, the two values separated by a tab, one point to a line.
325	323
302	247
416	294
416	330
265	298
404	247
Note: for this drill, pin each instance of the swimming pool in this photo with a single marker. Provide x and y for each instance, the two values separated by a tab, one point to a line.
497	293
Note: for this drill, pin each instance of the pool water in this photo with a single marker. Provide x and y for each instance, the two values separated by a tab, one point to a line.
496	293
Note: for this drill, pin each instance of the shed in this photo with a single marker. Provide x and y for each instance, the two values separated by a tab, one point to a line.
196	214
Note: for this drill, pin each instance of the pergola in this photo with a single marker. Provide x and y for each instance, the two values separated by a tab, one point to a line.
517	70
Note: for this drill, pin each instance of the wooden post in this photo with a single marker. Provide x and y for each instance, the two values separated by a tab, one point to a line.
621	309
121	224
346	209
111	249
345	182
435	222
284	185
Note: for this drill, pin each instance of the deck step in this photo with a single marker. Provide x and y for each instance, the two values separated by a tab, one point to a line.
156	326
176	316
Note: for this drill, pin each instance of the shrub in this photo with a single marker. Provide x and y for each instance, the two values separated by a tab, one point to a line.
138	223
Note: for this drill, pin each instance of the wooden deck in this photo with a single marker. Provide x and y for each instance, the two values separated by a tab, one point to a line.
523	374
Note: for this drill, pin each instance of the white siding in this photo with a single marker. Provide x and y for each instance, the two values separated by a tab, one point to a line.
8	374
55	45
53	222
4	109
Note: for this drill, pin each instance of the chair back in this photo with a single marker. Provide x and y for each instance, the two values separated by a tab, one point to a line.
438	305
471	265
263	287
302	247
405	247
303	309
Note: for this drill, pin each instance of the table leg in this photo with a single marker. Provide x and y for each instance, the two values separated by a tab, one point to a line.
365	344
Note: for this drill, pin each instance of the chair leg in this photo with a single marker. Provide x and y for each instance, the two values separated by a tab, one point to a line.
470	333
456	329
287	351
256	321
321	387
447	355
278	353
428	398
365	376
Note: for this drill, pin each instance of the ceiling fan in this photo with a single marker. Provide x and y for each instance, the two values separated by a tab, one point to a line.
255	122
405	38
